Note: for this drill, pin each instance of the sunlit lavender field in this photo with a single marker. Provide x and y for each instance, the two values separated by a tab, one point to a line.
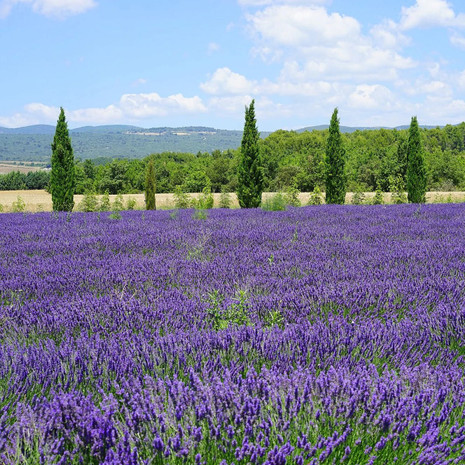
331	334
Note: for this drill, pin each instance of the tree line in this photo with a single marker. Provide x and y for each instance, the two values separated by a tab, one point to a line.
373	160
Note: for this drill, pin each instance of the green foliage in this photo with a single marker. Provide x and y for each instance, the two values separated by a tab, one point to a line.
150	186
359	196
196	181
19	181
416	172
291	197
62	175
335	163
315	197
200	215
130	203
250	176
118	203
18	205
205	200
115	216
181	199
104	204
378	198
89	202
225	199
276	202
397	188
1	208
222	316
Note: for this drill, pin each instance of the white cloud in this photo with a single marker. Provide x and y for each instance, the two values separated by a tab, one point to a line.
51	8
326	46
233	104
301	25
213	47
225	81
458	40
133	107
371	97
431	13
147	105
388	35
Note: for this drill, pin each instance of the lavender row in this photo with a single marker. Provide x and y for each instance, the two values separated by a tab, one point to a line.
317	335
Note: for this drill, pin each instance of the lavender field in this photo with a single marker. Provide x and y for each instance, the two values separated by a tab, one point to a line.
331	334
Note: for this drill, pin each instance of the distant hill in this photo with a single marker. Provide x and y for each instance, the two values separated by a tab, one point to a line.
32	143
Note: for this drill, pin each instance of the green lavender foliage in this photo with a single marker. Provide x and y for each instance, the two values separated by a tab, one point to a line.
150	186
250	175
62	176
416	171
335	163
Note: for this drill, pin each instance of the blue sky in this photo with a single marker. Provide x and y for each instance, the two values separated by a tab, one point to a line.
184	62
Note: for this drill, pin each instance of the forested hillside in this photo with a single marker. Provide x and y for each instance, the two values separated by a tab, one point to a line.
33	143
375	159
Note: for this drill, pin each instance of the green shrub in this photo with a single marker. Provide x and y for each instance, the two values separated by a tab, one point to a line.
291	197
225	200
397	188
316	197
275	203
130	203
89	202
115	216
181	199
18	205
104	205
118	204
378	198
359	197
205	200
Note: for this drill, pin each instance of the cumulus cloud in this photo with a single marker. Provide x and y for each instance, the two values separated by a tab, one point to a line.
147	105
133	107
50	8
300	25
431	13
371	97
225	81
326	45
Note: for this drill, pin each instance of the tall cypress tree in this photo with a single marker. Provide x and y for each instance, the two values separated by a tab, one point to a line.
250	176
335	162
150	186
416	171
62	175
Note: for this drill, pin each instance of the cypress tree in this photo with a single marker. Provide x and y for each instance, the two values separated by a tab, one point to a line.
62	175
335	162
150	186
250	177
416	172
